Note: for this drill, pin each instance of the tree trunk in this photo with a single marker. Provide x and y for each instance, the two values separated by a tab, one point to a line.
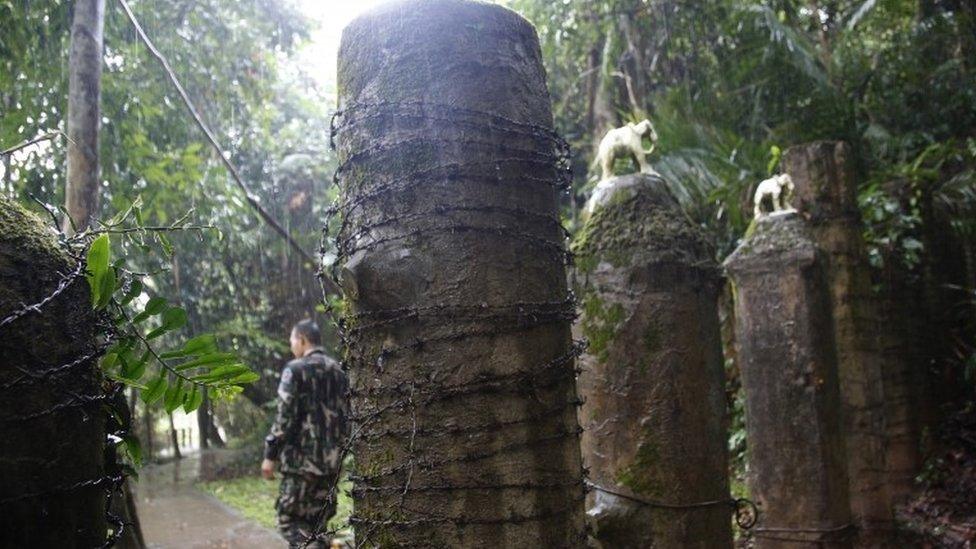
204	421
148	450
174	438
604	117
52	486
209	436
453	267
124	506
84	92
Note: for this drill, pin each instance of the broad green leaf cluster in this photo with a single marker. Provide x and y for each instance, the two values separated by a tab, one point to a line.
176	377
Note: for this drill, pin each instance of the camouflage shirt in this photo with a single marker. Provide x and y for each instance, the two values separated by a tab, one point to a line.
312	419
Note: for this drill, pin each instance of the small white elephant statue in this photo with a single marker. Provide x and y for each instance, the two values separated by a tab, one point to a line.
626	141
778	189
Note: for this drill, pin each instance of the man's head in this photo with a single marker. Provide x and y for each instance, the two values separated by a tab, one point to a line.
304	336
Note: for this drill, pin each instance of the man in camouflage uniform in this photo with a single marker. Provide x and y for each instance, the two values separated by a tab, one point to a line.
309	428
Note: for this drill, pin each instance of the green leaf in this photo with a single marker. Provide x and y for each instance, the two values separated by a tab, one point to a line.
223	373
107	289
154	306
165	243
173	397
200	345
108	361
130	471
134	370
245	378
775	154
155	389
193	400
135	289
174	318
98	269
213	359
133	448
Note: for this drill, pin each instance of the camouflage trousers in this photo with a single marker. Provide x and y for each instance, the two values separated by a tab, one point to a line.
304	507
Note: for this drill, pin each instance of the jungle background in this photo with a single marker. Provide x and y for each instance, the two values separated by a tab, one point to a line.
728	85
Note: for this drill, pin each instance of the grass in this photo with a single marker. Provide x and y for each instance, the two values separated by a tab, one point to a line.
255	497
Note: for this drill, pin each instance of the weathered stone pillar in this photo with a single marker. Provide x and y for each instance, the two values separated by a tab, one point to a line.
51	422
654	413
452	262
826	194
797	473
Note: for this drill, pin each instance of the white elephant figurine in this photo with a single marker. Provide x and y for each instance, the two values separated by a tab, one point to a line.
779	189
626	141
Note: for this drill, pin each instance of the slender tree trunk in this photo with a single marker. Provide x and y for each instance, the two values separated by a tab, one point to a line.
84	92
147	447
7	176
203	422
174	438
604	117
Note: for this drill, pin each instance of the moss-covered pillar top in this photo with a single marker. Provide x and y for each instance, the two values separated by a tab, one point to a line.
634	220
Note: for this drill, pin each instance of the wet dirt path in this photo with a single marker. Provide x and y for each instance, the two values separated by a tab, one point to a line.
174	514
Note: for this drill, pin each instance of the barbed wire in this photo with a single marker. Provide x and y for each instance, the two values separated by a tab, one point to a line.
517	155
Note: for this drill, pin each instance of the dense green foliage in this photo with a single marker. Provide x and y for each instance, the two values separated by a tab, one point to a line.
730	84
239	281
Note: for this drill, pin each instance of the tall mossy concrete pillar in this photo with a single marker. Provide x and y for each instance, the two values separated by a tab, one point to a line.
453	264
784	335
52	491
652	380
826	195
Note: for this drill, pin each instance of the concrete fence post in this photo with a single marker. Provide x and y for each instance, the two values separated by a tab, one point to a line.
52	485
452	262
784	337
652	379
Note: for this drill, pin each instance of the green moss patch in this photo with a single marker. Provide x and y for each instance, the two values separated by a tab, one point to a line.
638	475
638	222
600	323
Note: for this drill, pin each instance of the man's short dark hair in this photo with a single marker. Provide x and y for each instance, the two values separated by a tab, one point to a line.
309	330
